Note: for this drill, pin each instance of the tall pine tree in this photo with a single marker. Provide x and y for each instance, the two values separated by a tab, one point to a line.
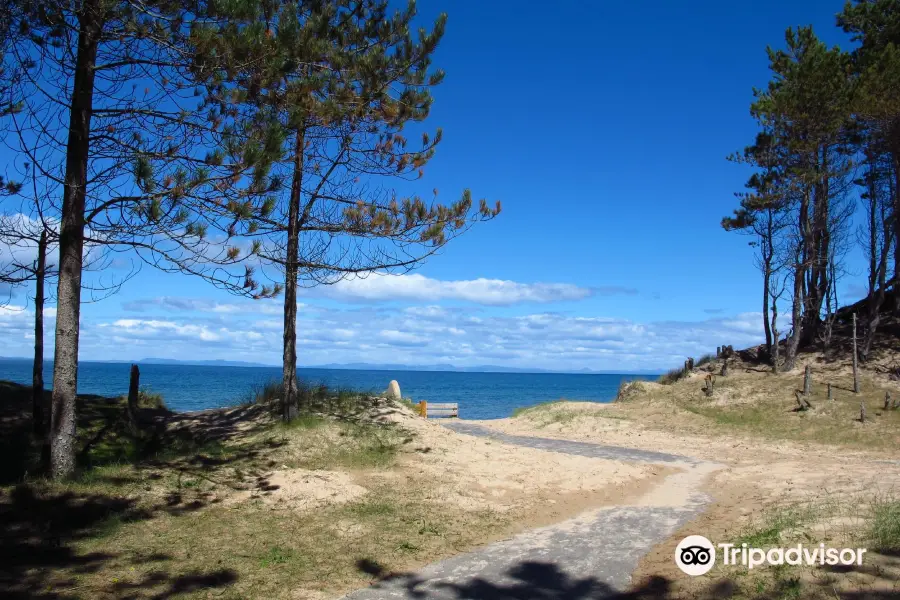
325	90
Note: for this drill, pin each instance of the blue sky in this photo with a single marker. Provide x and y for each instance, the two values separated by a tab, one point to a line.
603	128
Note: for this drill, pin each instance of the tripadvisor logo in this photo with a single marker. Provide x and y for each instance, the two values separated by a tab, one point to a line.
696	555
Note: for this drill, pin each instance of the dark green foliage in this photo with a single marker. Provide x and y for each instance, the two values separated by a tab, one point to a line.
824	112
315	97
673	376
147	398
705	359
315	398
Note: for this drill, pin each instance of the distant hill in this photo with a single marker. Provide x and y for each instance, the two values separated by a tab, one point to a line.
160	361
199	363
440	367
473	369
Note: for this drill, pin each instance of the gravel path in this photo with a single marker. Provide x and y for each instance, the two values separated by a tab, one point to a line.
568	447
589	557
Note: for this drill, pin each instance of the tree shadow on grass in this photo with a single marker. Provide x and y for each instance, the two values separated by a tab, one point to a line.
42	523
39	558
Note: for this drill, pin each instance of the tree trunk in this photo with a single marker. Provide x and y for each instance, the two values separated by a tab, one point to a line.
855	360
767	276
896	154
37	372
801	266
71	244
289	364
790	351
775	350
878	261
817	256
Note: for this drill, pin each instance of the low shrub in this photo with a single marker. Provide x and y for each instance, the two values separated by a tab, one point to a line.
313	398
884	530
150	399
672	376
705	359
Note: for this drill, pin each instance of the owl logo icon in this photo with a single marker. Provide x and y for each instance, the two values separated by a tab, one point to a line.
695	555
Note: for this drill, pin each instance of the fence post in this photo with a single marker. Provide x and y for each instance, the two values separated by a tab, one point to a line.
134	386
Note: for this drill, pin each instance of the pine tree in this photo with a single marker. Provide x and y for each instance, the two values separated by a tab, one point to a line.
875	26
764	213
807	105
324	90
105	113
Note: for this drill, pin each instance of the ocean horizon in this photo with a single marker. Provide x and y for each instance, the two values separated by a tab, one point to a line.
481	395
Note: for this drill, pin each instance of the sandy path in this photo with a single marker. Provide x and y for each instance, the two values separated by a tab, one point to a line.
589	556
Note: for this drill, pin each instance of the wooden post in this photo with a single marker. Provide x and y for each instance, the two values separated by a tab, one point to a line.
855	368
134	386
807	379
862	412
887	400
830	393
37	374
710	385
775	333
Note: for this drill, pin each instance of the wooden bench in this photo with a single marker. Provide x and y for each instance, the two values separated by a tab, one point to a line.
438	409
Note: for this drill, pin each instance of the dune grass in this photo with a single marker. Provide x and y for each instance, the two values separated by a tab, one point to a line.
864	521
150	516
763	405
884	531
523	411
147	398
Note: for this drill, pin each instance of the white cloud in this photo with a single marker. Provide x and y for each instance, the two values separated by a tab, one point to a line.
176	304
418	288
389	335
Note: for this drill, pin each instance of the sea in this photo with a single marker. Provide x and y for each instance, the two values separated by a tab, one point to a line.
190	387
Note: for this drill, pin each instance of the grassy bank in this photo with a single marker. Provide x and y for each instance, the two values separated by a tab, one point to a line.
229	503
869	522
750	403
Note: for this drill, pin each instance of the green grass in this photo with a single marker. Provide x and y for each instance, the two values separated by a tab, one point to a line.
312	397
745	417
884	529
147	398
838	521
526	410
706	358
409	404
145	516
276	555
305	422
672	376
320	443
372	508
778	524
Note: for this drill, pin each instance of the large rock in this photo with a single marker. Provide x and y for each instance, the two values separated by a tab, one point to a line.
393	391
